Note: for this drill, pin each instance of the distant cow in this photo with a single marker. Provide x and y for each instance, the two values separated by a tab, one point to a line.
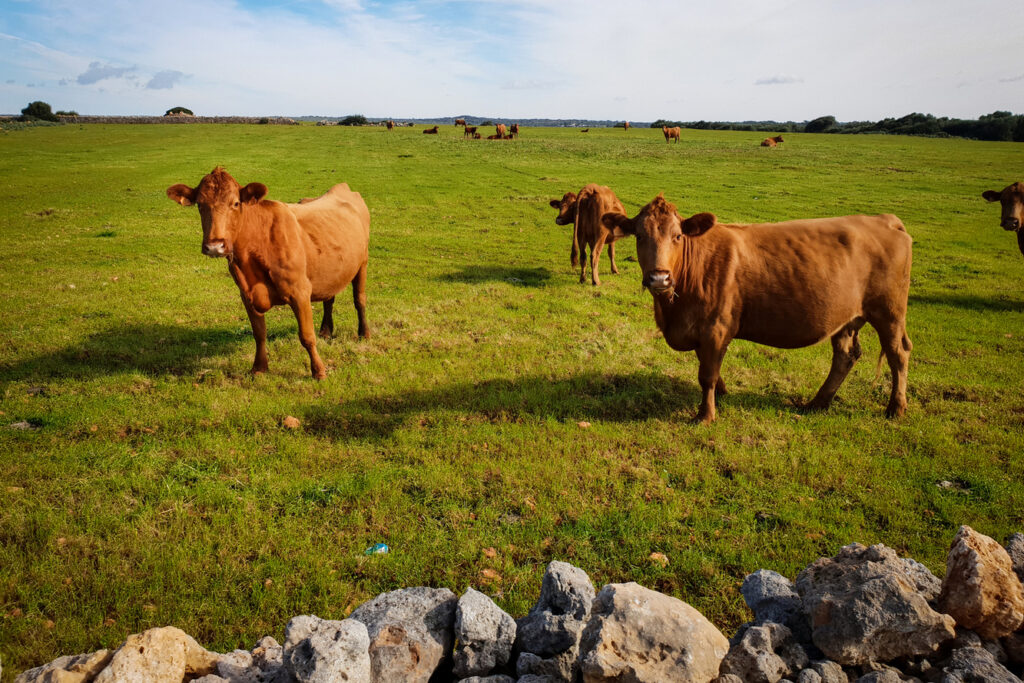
477	136
786	285
494	137
430	131
625	125
583	211
514	130
390	124
1012	199
500	129
469	131
771	142
290	254
460	122
671	133
585	130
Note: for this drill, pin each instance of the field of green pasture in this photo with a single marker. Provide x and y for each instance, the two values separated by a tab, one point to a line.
156	484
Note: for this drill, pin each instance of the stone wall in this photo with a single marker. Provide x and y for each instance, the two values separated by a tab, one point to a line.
273	120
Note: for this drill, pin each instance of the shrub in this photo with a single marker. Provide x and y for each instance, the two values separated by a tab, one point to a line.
820	124
264	120
38	110
178	110
354	120
72	112
487	123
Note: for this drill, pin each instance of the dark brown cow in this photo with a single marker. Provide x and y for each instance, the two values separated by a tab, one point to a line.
772	142
514	130
469	131
585	130
390	124
477	136
501	130
583	211
460	122
671	133
290	254
494	137
786	285
1012	199
625	125
430	131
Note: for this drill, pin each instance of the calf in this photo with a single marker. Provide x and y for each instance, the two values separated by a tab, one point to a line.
469	131
460	122
584	211
430	131
390	124
1012	199
514	130
290	254
772	142
671	133
786	285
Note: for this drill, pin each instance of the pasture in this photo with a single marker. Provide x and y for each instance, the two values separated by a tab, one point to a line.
156	483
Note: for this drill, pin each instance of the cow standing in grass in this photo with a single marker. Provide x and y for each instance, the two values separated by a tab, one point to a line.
281	254
584	211
1012	199
671	133
786	285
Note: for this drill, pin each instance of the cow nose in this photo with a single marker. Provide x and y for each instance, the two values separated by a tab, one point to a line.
213	248
1011	223
658	280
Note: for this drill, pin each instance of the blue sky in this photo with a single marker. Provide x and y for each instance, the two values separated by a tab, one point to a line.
637	60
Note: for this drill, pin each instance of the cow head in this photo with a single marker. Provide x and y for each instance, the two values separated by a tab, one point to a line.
566	208
221	202
1012	199
661	234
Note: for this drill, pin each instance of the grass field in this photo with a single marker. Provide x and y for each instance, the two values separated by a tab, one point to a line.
157	484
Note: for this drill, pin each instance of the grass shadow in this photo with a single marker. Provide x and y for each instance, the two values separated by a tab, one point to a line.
971	302
521	277
150	349
589	396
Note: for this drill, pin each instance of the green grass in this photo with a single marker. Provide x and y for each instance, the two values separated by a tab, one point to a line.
158	485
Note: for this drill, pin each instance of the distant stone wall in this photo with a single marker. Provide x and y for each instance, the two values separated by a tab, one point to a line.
273	120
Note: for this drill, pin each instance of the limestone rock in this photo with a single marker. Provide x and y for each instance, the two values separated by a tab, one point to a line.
981	590
636	634
484	635
927	584
268	657
558	669
68	669
238	667
555	623
489	679
1013	645
159	655
754	657
411	632
884	676
829	671
863	607
728	678
1015	549
976	665
772	597
808	676
323	651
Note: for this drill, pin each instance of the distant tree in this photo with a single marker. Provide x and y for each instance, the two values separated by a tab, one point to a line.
178	110
487	123
72	112
354	120
820	124
38	111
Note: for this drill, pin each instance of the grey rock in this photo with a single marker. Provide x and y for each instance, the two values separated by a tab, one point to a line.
484	635
728	678
884	676
1015	548
927	584
808	676
238	667
324	651
772	597
560	668
500	678
830	672
412	633
976	665
555	623
210	678
1013	645
68	668
754	659
863	607
534	678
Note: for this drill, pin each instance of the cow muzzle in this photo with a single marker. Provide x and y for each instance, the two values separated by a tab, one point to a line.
215	248
1010	224
658	281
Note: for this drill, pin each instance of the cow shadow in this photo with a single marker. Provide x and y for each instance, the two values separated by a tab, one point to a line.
618	398
150	349
1000	303
521	277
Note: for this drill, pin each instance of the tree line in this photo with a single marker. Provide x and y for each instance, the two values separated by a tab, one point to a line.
1000	126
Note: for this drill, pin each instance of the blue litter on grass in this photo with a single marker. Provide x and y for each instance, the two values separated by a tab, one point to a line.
378	549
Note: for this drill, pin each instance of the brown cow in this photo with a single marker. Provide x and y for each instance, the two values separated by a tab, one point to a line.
430	131
786	285
477	136
772	142
390	124
460	122
625	125
1012	199
671	133
469	131
290	254
494	137
514	130
584	211
585	130
501	130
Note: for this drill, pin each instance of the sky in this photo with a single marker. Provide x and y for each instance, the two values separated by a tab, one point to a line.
638	60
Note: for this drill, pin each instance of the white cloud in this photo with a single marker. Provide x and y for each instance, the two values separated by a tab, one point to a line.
779	80
99	72
165	80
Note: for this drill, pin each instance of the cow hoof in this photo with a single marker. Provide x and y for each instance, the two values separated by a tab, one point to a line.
257	370
703	420
326	334
365	334
893	412
816	406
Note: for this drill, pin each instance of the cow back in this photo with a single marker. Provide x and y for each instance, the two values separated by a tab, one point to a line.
336	235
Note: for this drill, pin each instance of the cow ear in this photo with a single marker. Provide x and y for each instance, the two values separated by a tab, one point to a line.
252	193
183	194
991	195
698	224
619	222
556	203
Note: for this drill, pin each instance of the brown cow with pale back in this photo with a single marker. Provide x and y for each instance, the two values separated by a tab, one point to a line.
671	133
280	253
460	122
786	285
1012	199
584	211
772	142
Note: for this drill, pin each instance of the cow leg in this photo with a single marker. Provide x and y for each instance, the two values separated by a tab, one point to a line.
595	260
896	346
327	325
709	375
259	333
583	261
303	310
359	299
611	257
720	389
845	352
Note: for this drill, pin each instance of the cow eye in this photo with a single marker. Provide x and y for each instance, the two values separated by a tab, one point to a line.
678	236
236	204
